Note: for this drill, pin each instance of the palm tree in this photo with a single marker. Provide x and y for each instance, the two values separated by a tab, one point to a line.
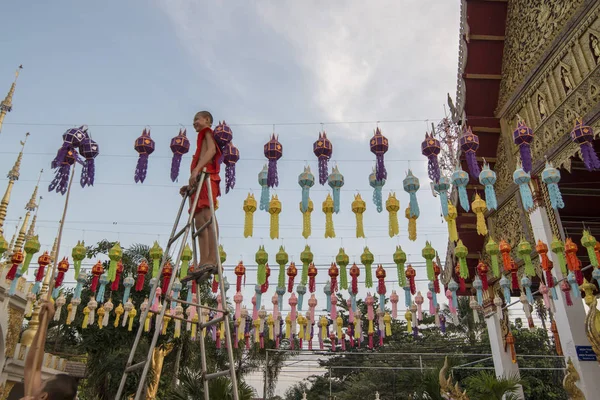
485	386
191	388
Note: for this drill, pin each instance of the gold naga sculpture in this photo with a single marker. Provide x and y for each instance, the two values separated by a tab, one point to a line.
592	319
570	382
447	390
158	358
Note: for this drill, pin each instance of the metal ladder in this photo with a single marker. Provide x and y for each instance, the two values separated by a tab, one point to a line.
175	234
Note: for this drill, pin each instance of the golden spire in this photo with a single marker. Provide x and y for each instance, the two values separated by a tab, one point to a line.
6	105
13	175
10	251
53	252
31	231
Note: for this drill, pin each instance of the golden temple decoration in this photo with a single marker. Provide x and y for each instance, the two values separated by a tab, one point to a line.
447	389
6	389
592	319
6	104
158	358
570	382
15	323
13	175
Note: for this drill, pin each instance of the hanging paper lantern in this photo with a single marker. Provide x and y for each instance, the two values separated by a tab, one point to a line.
431	148
328	210
323	150
411	185
453	298
186	257
63	171
451	221
441	187
312	273
274	210
522	178
380	275
261	260
78	254
333	272
392	205
167	272
343	260
524	250
231	155
281	258
32	246
264	194
583	135
336	181
292	271
478	286
222	135
428	254
306	180
566	289
306	257
542	250
574	285
180	145
523	136
128	283
249	208
89	150
573	262
410	276
379	146
156	254
367	259
469	143
460	179
461	252
63	267
558	248
115	283
589	242
273	151
551	177
482	270
16	260
493	250
306	224
142	270
265	286
72	139
377	185
115	254
354	274
487	177
399	260
479	208
240	271
144	145
412	224
43	261
359	207
436	273
505	249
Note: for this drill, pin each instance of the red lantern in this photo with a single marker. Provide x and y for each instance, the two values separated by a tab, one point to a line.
354	273
97	270
16	260
513	273
436	272
167	273
482	270
43	262
115	284
292	271
334	272
142	270
461	280
506	258
240	271
380	275
265	286
312	273
573	263
410	275
63	267
542	250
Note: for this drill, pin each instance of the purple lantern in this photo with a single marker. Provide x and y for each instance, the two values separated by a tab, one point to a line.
379	146
72	138
230	157
523	136
180	145
89	150
144	145
61	179
430	148
323	150
273	151
469	143
223	136
583	135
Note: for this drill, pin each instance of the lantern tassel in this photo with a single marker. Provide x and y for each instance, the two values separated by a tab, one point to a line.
556	200
264	198
229	177
378	198
463	197
61	179
590	158
272	177
306	224
490	197
526	196
360	231
305	198
88	173
323	169
412	229
175	164
274	226
414	205
433	168
248	224
336	199
141	168
473	165
343	277
380	171
444	201
525	152
329	230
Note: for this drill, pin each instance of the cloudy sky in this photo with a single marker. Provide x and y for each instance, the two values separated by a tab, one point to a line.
295	67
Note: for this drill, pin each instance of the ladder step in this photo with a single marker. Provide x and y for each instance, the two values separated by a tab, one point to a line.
203	227
169	298
174	238
212	322
216	375
135	367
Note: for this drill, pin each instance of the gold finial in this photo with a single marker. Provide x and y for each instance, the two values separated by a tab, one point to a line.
13	175
31	206
54	248
31	231
570	382
9	252
6	104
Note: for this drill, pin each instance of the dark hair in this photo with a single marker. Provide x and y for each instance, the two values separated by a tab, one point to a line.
206	114
61	387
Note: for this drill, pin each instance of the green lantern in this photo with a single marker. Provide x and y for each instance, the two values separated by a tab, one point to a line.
588	241
3	245
186	257
261	260
156	254
524	251
400	260
461	251
115	254
281	258
32	246
306	257
367	259
78	255
429	254
493	249
558	248
343	260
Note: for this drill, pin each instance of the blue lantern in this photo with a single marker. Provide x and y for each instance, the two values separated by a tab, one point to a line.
551	177
411	185
460	179
306	180
377	185
487	178
336	181
442	187
522	178
264	195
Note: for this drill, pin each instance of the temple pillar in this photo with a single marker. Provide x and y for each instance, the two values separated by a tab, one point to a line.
570	320
503	364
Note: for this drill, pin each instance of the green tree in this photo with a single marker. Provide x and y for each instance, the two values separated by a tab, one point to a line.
485	386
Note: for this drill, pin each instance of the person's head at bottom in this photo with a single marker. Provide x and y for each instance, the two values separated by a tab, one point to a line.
61	387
